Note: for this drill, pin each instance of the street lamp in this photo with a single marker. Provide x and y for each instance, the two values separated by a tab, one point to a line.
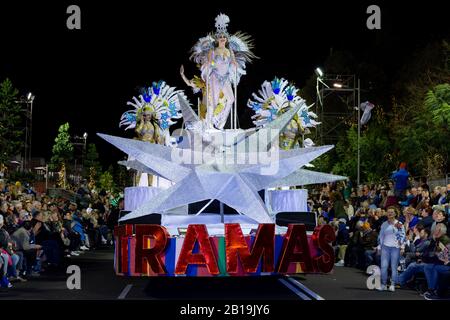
359	135
319	72
85	135
30	99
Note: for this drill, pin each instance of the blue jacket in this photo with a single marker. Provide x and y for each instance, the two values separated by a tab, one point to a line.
408	200
401	179
77	226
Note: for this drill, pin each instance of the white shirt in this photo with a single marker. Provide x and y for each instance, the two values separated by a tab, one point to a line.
388	235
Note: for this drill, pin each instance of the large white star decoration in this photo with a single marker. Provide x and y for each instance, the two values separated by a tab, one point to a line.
235	183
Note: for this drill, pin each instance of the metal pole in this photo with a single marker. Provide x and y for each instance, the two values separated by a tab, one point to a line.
46	178
317	105
25	157
359	132
31	131
322	116
235	99
231	117
208	111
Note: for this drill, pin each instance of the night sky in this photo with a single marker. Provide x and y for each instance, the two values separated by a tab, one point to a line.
86	76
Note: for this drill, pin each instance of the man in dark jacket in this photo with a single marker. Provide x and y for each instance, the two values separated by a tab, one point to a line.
426	218
417	247
369	242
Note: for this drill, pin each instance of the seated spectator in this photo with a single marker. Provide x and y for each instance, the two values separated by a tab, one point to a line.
377	219
426	217
7	248
416	246
29	189
369	242
23	245
424	201
55	224
442	196
417	196
354	246
383	197
77	225
438	216
342	239
322	220
90	224
12	223
73	236
43	237
408	200
438	262
349	209
435	196
4	209
417	266
410	218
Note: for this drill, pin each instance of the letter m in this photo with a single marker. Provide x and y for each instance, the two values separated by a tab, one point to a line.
263	247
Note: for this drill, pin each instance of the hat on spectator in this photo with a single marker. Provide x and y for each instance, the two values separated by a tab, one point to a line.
439	207
342	220
366	226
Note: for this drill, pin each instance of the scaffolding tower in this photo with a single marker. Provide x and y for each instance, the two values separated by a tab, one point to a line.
340	112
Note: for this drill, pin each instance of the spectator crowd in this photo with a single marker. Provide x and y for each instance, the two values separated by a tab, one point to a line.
401	226
40	234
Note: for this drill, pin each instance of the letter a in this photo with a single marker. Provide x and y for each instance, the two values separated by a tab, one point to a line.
74	280
74	20
374	20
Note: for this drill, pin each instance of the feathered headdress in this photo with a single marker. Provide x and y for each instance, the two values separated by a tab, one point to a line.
160	101
240	43
275	98
222	21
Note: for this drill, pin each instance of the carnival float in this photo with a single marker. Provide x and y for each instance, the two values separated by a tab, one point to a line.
181	173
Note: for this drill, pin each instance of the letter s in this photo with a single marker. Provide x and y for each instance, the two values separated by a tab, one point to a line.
323	236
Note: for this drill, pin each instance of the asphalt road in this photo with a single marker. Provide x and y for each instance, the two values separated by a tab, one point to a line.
98	282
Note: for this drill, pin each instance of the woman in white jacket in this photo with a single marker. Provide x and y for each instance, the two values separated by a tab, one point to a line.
390	241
